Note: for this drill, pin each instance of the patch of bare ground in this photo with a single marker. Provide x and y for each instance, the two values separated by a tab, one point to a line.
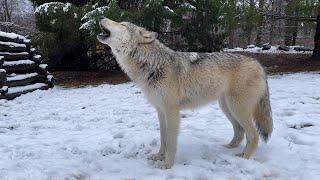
276	63
86	78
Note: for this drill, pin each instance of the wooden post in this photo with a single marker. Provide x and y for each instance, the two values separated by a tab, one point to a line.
1	61
3	77
316	51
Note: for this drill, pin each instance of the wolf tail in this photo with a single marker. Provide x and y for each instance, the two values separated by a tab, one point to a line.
263	115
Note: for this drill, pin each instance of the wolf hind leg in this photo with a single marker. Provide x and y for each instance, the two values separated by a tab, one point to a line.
242	109
238	134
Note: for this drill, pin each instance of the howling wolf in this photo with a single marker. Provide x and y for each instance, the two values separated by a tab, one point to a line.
174	80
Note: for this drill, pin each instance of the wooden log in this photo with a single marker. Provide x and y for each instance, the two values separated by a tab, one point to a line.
18	91
33	51
50	81
6	39
24	79
284	48
43	69
3	77
15	56
1	61
302	49
4	90
36	58
12	37
20	66
13	47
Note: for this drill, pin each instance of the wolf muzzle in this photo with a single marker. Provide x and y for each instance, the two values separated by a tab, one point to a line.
105	31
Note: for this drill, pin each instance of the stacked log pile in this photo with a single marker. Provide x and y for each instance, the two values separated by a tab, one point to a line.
20	68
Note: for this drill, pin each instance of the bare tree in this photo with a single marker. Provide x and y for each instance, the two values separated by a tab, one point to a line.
17	16
6	8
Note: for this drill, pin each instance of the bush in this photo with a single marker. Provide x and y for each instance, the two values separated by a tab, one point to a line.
68	32
59	38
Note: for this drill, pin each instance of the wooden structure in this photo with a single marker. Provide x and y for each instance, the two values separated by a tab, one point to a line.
20	68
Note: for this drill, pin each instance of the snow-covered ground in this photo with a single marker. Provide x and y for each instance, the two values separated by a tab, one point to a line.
107	132
273	50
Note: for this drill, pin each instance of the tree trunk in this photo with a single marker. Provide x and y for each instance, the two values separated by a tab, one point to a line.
7	11
260	24
294	35
250	27
231	38
272	23
288	24
316	51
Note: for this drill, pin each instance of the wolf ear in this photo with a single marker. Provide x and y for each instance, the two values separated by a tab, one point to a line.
147	37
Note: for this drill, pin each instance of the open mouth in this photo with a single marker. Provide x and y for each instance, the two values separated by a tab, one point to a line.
105	31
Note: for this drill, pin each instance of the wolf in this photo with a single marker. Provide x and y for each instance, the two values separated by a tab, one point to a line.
172	81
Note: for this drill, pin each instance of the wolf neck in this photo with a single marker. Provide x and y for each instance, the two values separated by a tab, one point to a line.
143	62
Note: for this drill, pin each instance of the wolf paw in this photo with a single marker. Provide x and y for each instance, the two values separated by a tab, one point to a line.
156	157
166	165
230	146
242	155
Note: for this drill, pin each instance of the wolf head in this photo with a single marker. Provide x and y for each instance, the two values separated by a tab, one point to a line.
124	34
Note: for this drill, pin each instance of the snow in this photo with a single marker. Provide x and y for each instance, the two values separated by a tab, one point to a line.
14	36
274	49
89	18
97	11
87	25
4	89
12	44
21	76
188	5
2	70
14	63
14	54
50	78
1	57
66	7
17	89
53	21
45	7
43	66
107	132
37	56
168	9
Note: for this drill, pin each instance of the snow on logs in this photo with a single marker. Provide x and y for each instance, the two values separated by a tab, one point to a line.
20	68
12	47
15	56
12	37
22	79
3	77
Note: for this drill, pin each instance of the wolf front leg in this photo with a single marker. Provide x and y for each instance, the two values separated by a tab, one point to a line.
161	154
172	117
